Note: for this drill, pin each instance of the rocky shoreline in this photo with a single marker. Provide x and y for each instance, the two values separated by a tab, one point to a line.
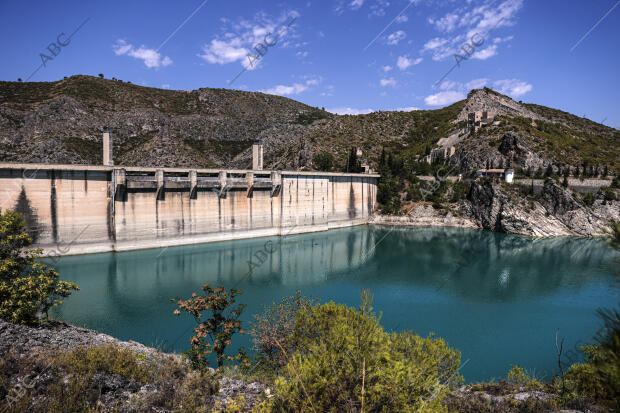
500	207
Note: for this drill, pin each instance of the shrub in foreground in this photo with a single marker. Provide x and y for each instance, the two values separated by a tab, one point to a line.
28	289
217	326
599	376
273	328
345	361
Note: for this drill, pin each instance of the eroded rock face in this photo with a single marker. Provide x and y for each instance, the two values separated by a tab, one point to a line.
513	147
579	219
555	212
487	203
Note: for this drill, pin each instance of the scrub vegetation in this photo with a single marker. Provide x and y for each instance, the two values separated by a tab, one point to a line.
309	356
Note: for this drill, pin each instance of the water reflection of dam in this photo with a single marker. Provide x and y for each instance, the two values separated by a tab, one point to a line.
140	280
453	260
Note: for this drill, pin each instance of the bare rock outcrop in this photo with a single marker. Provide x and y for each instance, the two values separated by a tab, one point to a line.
513	147
494	103
554	212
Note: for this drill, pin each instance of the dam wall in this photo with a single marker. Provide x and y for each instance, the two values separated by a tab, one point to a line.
72	209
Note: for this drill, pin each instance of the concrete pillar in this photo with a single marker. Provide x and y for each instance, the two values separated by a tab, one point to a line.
193	183
276	182
257	156
120	177
159	176
249	179
107	148
223	183
120	184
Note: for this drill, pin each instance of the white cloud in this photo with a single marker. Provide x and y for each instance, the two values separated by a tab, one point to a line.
476	83
444	98
407	109
401	19
512	87
356	4
150	57
502	39
448	84
165	86
475	21
295	88
387	68
222	51
434	44
396	37
447	23
349	111
388	82
284	90
403	62
485	53
378	8
246	40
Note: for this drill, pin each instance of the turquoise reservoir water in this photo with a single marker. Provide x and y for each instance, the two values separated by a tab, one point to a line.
498	298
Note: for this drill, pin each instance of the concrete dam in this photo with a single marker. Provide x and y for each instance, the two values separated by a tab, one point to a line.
77	209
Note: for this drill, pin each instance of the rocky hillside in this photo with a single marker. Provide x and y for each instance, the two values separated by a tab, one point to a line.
62	122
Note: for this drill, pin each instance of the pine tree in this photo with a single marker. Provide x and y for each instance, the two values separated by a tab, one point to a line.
549	171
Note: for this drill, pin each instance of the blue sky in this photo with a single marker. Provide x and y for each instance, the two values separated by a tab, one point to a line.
349	56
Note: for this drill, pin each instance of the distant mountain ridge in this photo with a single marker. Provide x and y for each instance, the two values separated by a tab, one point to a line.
62	122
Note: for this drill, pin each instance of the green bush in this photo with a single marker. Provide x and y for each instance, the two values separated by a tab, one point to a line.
345	361
588	199
616	231
111	359
517	375
460	190
599	376
28	289
276	324
609	194
323	161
